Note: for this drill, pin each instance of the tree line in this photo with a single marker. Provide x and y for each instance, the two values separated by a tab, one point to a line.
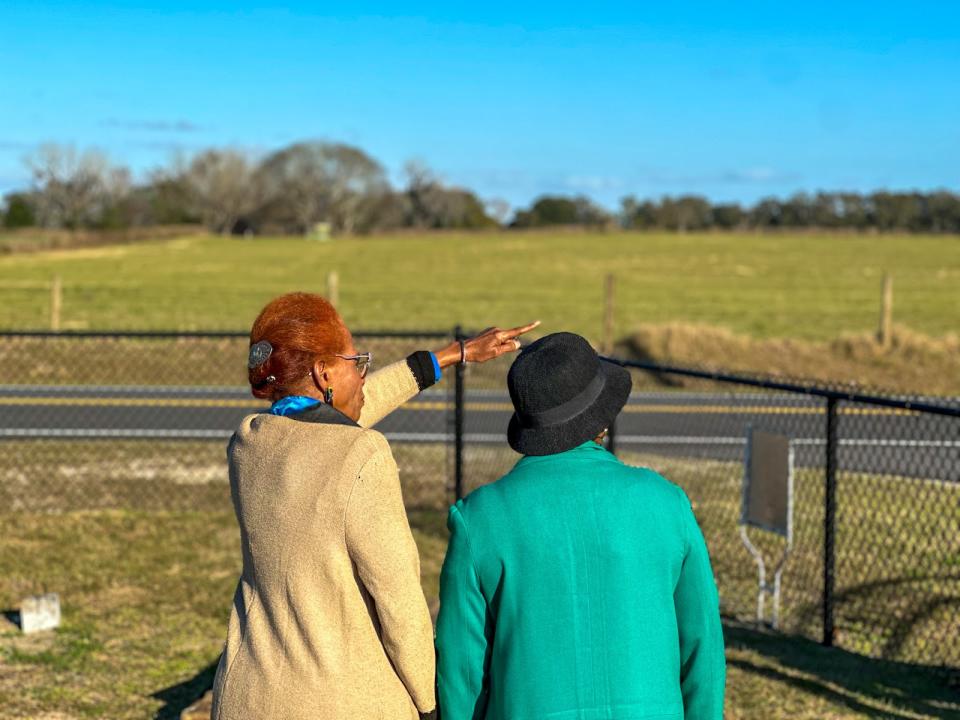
289	191
933	212
297	188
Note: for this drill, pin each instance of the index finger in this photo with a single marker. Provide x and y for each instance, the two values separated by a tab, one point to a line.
514	332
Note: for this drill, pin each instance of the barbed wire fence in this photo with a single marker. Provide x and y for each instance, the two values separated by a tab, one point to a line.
140	421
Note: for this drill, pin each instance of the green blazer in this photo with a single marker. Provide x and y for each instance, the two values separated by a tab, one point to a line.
578	588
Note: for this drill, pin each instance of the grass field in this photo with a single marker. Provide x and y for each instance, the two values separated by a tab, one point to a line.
146	591
814	286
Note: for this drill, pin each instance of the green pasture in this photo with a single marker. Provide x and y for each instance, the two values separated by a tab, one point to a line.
807	286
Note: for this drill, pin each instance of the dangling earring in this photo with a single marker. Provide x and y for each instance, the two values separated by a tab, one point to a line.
328	396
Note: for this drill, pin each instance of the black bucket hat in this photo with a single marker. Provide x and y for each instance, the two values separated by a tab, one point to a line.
563	394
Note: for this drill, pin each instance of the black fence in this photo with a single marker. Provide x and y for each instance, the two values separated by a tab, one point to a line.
140	421
875	562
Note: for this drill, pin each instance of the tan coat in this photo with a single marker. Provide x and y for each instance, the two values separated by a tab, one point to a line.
329	619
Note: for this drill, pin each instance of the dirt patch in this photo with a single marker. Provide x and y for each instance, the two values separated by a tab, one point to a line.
85	244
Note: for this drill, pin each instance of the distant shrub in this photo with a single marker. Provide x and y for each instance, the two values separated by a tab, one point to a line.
19	211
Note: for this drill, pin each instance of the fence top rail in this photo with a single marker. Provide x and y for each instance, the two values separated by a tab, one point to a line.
203	334
811	389
457	332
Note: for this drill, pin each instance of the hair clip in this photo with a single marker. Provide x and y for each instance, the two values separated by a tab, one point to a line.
259	353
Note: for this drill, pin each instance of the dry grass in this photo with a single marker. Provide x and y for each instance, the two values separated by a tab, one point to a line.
913	363
59	242
190	361
54	476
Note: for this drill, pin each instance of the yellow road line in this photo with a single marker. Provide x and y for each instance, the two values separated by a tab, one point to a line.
440	405
133	402
682	409
758	410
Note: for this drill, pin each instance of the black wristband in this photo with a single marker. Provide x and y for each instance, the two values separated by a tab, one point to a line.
421	365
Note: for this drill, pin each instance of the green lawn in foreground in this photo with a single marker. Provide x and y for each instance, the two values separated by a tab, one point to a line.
804	286
146	590
146	598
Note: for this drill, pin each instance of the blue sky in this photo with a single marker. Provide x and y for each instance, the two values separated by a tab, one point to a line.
731	100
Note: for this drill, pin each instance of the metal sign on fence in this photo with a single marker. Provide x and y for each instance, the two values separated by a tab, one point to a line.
767	504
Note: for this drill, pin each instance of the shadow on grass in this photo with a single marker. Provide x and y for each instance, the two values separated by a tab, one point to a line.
635	349
178	698
859	683
873	688
874	599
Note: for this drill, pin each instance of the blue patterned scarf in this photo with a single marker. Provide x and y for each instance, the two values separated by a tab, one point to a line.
292	404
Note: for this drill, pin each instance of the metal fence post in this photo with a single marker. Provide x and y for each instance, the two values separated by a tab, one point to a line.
458	380
829	521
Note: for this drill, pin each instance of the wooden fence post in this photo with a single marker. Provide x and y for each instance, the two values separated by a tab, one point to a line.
333	288
885	331
56	302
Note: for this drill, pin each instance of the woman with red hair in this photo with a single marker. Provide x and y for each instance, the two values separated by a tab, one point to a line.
329	619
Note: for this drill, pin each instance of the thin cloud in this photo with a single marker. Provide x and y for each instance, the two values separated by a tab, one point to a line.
176	126
593	183
742	176
163	145
757	175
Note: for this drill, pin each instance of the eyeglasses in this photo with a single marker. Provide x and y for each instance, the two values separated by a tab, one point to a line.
363	361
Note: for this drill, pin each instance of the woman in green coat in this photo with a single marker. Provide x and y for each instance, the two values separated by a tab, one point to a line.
576	587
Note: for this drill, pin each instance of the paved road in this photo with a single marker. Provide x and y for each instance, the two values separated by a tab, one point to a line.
692	425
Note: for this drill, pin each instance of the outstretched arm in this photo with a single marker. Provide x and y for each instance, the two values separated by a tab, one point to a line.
387	389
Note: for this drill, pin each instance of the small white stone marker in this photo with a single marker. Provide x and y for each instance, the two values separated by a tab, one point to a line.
40	612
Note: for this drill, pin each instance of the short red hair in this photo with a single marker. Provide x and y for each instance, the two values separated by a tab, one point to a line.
302	328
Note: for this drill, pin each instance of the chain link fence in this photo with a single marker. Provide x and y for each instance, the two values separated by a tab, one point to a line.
875	560
140	421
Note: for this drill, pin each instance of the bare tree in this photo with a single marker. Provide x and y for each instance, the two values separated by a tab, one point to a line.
423	191
223	188
72	188
435	205
311	182
498	209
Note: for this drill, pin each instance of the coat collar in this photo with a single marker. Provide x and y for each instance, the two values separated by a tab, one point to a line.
323	413
588	450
